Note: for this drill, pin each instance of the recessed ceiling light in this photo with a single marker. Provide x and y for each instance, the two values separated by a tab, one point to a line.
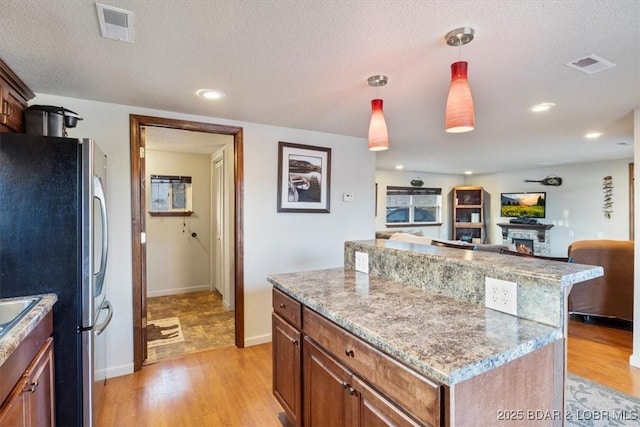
210	94
593	135
538	108
399	167
468	172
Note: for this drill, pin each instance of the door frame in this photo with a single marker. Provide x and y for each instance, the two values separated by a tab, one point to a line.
137	123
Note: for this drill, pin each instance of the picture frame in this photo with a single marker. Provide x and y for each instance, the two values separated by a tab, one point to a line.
304	178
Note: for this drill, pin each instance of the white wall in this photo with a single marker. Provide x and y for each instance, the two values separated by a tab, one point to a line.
273	242
635	357
386	178
575	208
176	261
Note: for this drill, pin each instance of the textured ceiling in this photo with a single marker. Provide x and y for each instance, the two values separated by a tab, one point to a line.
304	64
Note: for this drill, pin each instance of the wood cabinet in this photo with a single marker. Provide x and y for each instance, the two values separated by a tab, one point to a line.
31	400
468	214
402	394
287	355
14	95
335	396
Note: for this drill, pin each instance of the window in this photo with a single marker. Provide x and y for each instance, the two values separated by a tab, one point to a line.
413	206
170	195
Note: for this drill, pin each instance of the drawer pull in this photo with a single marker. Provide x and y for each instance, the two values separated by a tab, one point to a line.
352	391
294	342
282	305
344	385
32	387
5	108
349	353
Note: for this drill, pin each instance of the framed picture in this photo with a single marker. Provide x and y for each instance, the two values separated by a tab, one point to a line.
304	178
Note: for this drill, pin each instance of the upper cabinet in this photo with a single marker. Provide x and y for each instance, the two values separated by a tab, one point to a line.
468	214
14	95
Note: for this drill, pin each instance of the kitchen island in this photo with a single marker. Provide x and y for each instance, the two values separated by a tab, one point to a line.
402	350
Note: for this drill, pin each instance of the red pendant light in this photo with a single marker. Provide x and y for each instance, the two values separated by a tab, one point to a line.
459	114
378	135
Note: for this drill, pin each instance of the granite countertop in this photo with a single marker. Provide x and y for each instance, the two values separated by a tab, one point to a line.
446	339
565	273
14	336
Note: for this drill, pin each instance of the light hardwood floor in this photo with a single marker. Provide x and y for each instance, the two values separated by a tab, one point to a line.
232	387
601	354
220	387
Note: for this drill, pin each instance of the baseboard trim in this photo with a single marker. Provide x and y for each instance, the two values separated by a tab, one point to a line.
118	371
634	360
261	339
176	291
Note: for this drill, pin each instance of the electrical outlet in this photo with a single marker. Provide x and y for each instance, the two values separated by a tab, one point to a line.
362	262
501	295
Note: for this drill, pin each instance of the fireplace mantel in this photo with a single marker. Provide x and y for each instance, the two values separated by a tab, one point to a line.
540	228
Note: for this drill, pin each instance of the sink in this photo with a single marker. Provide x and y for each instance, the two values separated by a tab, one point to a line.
12	310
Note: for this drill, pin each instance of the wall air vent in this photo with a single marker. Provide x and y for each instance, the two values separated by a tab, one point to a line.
590	64
115	23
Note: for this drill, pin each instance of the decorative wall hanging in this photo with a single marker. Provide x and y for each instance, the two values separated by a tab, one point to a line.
552	180
304	178
607	187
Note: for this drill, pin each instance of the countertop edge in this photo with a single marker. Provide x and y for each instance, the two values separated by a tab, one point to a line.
20	330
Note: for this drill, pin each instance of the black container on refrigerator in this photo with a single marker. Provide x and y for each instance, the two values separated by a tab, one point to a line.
53	238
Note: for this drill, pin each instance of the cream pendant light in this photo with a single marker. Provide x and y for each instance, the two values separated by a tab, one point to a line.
378	135
459	114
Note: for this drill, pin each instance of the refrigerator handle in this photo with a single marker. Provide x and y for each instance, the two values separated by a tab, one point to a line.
98	191
98	329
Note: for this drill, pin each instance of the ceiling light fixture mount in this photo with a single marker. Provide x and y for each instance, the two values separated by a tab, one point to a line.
459	114
459	36
377	81
378	135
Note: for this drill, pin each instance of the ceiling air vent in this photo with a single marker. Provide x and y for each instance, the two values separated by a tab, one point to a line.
115	23
590	64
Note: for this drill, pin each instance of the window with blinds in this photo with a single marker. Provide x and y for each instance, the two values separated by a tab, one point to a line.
413	206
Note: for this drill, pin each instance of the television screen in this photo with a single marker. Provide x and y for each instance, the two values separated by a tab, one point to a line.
529	205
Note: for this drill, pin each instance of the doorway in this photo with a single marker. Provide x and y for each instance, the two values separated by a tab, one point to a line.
138	124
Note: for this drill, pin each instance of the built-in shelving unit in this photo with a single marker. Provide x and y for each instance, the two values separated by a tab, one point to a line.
468	214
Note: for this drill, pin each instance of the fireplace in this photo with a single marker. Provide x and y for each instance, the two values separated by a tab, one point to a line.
536	237
524	246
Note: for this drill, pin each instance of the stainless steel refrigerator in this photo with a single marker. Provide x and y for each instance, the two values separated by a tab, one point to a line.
54	238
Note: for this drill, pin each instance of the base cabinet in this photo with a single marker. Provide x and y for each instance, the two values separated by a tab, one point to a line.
335	396
287	360
31	403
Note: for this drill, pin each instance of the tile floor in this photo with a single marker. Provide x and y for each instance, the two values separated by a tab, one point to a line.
205	323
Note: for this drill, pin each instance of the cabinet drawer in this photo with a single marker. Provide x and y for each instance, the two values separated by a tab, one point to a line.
416	394
287	308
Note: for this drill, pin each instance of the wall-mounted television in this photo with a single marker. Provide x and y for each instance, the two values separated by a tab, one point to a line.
526	205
